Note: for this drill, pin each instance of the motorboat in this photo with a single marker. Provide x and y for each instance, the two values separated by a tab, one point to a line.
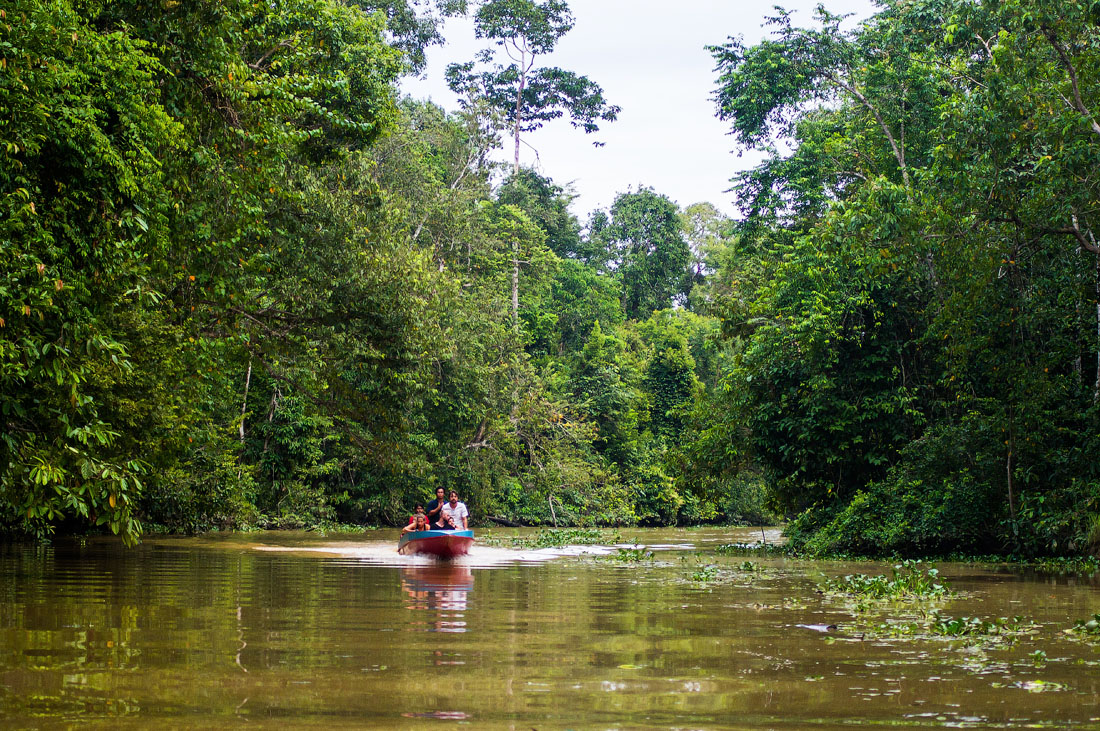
438	543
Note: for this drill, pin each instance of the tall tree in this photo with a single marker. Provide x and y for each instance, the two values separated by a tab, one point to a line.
525	97
547	204
83	211
172	169
705	229
644	245
764	89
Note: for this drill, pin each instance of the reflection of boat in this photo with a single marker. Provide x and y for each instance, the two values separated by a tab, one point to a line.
437	577
438	543
442	587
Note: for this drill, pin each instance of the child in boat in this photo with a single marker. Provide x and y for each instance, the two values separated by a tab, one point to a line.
420	522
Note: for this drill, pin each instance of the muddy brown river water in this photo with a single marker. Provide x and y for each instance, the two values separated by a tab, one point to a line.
276	630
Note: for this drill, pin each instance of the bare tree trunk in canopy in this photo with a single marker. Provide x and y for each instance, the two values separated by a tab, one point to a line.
525	63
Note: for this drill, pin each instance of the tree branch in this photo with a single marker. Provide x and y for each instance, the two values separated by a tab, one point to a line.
1073	230
1079	103
259	65
899	154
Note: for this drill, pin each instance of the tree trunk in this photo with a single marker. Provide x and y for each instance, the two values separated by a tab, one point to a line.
271	416
1078	102
244	403
1008	470
1096	387
523	66
519	108
515	283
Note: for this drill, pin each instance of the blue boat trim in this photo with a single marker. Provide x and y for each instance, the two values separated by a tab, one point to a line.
412	536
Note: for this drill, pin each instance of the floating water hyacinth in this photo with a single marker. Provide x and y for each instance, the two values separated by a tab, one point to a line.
909	581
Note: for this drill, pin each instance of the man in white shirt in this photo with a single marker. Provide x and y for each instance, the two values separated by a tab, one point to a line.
455	515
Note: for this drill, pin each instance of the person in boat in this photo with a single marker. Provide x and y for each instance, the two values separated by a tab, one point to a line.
455	514
435	508
418	509
420	522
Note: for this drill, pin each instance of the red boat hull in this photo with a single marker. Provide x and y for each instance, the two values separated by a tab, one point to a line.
438	543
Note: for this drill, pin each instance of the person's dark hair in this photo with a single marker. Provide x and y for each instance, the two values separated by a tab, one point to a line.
453	492
418	505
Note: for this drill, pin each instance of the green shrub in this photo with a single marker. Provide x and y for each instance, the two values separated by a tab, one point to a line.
931	502
1057	521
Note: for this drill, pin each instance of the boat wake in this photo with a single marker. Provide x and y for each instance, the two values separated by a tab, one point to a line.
480	557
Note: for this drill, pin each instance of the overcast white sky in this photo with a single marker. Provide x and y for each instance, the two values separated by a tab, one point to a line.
650	58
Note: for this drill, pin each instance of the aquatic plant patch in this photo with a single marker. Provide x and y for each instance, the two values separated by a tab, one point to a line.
632	555
753	549
1087	629
1034	686
976	626
487	538
558	537
705	574
746	573
1075	566
971	632
326	528
908	581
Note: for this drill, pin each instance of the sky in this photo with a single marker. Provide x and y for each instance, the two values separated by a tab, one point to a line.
650	58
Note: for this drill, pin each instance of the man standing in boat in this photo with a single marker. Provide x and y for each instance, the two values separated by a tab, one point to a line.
435	508
455	515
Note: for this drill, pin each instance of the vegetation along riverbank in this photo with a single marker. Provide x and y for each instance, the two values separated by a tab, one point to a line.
245	282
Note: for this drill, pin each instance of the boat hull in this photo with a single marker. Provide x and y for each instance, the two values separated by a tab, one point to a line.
438	543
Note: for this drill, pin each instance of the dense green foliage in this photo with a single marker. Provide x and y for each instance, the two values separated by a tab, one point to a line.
242	283
916	282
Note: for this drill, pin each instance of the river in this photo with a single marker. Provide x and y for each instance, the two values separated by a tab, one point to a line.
296	629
